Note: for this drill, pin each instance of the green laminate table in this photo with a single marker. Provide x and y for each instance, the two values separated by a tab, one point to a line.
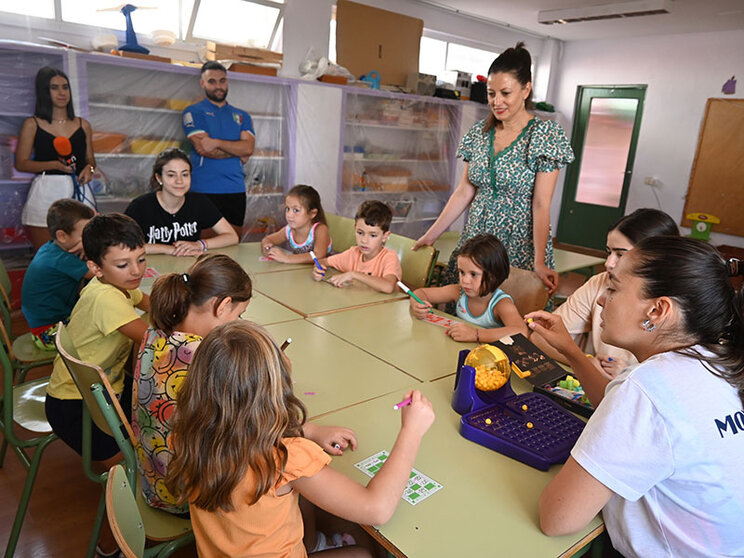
391	333
331	374
297	290
572	261
247	254
488	503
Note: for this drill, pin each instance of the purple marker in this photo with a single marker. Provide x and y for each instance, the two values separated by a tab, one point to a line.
402	404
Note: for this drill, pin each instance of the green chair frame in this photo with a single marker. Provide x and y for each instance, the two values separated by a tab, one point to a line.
101	406
23	405
23	352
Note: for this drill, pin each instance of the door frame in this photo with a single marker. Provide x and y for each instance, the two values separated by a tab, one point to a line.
580	224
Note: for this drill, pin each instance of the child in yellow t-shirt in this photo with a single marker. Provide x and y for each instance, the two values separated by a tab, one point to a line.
368	262
103	326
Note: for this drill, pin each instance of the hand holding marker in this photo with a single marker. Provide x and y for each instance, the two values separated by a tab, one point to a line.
317	263
410	293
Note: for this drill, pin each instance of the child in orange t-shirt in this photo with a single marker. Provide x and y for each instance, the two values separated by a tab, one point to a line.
241	460
368	262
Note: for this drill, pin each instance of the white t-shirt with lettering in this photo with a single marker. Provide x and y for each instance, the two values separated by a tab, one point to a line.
668	440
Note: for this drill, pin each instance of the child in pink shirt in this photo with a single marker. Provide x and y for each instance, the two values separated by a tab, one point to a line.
368	262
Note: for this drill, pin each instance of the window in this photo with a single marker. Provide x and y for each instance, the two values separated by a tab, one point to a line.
38	8
239	22
444	58
159	14
256	23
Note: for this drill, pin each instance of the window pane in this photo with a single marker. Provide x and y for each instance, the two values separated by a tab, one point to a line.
432	54
606	147
144	20
248	24
38	8
467	59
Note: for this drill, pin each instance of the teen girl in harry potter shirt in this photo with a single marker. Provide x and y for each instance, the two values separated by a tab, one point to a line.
171	217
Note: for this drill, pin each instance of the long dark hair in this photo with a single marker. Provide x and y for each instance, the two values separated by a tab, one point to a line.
163	158
234	409
645	222
44	105
696	277
212	276
518	62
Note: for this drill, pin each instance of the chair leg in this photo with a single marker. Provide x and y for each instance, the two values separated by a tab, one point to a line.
100	514
25	495
166	549
3	449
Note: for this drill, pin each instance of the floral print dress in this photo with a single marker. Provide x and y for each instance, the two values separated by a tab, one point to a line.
504	186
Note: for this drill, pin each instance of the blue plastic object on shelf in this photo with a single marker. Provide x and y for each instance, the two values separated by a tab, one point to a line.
530	427
373	78
131	44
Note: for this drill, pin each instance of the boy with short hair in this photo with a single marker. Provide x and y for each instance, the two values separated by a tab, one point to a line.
368	262
51	285
103	325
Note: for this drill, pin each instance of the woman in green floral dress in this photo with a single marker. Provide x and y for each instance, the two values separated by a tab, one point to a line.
512	160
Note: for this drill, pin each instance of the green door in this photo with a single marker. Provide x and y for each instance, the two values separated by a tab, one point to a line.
605	133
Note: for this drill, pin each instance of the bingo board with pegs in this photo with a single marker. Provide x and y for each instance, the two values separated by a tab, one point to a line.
530	427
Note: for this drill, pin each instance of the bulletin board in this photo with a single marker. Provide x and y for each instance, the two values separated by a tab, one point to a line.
717	177
369	39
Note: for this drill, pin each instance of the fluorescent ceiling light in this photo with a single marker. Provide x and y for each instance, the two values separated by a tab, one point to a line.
635	8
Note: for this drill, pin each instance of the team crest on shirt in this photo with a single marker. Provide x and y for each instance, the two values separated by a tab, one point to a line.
188	120
238	118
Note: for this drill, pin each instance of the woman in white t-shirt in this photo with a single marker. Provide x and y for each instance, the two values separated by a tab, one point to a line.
661	456
580	312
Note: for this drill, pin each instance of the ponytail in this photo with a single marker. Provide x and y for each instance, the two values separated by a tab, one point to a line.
212	276
696	277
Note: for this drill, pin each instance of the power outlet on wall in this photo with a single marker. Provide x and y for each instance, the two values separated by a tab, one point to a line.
652	181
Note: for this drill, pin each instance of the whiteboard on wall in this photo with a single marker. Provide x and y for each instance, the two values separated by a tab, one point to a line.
717	177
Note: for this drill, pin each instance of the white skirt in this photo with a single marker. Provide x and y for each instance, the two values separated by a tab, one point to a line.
44	191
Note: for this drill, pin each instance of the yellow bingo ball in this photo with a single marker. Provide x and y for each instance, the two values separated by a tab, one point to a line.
491	367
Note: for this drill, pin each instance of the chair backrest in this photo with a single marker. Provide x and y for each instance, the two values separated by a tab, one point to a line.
417	266
5	284
86	375
123	514
526	289
341	230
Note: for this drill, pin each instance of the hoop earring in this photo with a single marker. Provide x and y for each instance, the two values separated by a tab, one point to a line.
648	326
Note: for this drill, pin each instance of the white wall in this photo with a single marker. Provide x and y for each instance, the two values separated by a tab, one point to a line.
682	72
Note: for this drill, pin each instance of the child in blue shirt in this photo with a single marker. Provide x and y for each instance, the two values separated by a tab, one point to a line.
483	265
51	285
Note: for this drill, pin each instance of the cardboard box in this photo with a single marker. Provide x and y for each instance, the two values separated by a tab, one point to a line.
217	51
369	39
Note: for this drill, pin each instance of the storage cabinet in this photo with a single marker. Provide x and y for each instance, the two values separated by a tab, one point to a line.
135	107
399	149
18	67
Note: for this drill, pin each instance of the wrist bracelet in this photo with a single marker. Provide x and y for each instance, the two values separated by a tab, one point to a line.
204	245
477	335
92	169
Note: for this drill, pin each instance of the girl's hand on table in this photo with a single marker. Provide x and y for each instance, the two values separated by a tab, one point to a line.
462	333
419	310
333	439
276	254
418	415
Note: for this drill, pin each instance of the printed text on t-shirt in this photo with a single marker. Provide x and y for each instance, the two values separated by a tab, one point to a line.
167	235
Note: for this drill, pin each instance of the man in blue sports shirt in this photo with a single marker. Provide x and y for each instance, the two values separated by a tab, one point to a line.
223	139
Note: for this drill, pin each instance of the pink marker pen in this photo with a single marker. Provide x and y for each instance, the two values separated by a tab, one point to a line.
402	404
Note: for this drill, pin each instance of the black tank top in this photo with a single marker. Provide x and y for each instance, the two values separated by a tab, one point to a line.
44	148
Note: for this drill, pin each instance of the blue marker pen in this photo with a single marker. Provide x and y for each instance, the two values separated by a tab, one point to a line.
317	263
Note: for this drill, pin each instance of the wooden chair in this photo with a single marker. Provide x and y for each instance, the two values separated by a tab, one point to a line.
526	289
123	514
102	407
23	405
341	230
